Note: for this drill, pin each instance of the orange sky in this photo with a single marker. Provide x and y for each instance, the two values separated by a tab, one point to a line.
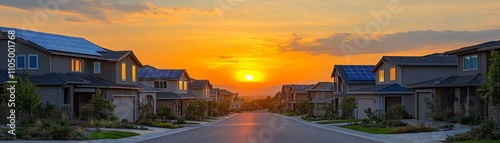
278	42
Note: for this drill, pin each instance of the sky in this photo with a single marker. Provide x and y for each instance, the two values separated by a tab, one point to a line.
277	42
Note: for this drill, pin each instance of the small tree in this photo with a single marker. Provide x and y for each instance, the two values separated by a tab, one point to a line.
490	88
164	112
331	111
144	109
196	110
97	105
27	98
396	112
348	105
303	107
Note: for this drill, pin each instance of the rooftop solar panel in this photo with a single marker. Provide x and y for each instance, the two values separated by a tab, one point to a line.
359	72
58	42
155	73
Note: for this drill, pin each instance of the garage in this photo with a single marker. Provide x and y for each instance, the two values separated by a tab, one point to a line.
422	109
125	107
364	103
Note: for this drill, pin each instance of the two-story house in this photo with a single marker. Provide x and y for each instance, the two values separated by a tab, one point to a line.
393	73
69	70
202	88
298	92
321	95
173	86
459	90
287	97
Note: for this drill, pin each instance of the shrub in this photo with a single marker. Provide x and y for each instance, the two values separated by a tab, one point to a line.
164	112
448	114
390	123
395	112
125	121
61	132
146	123
159	124
456	138
447	127
111	117
487	130
181	121
413	129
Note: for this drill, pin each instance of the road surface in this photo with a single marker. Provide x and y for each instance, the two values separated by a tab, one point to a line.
259	127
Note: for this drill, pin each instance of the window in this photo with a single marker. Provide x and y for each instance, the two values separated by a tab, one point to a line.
21	62
124	72
185	85
160	84
393	74
181	85
381	76
134	74
97	67
33	62
76	65
470	63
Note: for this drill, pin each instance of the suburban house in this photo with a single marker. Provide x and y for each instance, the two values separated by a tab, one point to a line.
458	91
298	92
68	70
393	73
286	97
214	93
201	89
225	95
173	86
321	95
350	77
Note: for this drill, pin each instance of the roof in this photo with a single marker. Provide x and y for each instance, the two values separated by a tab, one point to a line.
171	95
226	92
199	84
148	88
214	91
116	55
148	67
383	89
323	86
161	73
98	82
436	59
285	87
301	88
478	47
355	74
54	42
451	81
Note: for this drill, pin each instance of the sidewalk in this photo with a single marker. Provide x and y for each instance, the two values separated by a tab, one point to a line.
154	132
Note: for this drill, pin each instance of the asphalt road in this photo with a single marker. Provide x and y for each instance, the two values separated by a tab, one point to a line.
259	127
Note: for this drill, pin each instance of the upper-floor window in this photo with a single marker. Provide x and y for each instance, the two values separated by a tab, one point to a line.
160	84
393	74
470	63
182	85
124	72
33	62
76	65
134	74
381	77
21	61
97	67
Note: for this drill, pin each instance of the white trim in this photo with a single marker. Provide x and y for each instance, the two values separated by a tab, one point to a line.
24	66
29	63
97	72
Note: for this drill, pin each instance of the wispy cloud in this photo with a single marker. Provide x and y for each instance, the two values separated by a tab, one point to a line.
385	43
74	19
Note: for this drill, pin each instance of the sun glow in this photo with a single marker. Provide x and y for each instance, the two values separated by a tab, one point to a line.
249	77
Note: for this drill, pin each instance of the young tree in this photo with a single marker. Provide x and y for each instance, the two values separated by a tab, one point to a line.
303	107
144	109
490	88
331	111
97	105
348	105
27	98
164	112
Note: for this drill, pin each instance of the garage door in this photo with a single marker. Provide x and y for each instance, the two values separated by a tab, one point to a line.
364	103
421	108
125	107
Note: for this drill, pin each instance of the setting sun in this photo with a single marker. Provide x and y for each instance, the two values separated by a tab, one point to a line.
249	77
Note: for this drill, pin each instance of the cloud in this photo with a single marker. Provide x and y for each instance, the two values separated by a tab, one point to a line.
225	57
74	19
108	10
353	44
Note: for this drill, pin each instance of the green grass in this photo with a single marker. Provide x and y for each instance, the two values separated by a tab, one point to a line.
369	130
110	135
206	120
336	121
481	141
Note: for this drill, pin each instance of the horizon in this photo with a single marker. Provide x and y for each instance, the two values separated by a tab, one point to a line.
254	47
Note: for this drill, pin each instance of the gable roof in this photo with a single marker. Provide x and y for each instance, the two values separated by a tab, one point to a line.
286	87
474	48
226	92
301	88
436	59
214	90
451	81
166	74
383	90
323	86
355	74
199	84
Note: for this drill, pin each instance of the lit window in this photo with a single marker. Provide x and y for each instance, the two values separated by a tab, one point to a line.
124	72
185	85
381	76
21	62
76	65
134	74
32	61
393	74
97	67
180	85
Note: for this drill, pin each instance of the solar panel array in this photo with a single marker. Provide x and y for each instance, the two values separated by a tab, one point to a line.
58	42
154	73
359	72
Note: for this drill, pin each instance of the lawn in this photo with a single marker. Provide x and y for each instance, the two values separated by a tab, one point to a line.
110	135
482	141
336	121
372	130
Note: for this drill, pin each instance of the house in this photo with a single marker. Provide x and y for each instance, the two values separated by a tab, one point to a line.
458	90
201	89
321	95
286	97
214	93
225	95
68	70
297	93
393	73
173	86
